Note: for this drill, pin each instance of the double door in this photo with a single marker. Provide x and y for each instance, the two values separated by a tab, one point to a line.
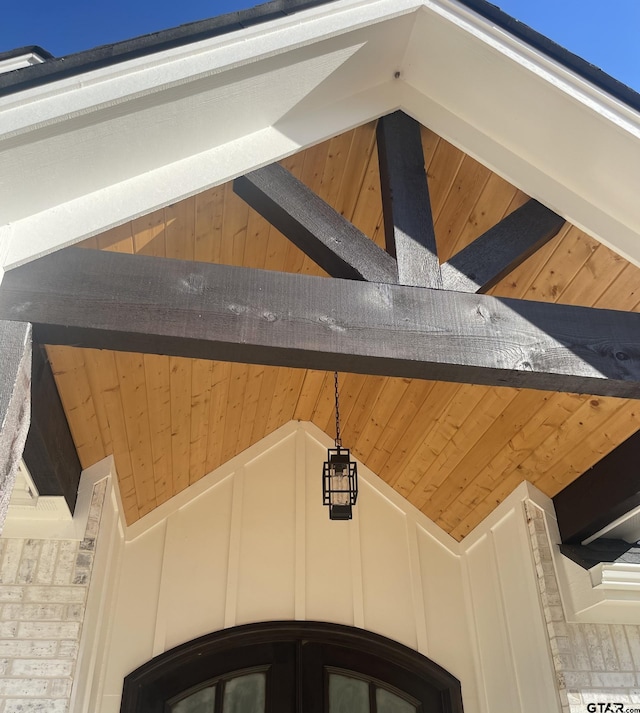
291	667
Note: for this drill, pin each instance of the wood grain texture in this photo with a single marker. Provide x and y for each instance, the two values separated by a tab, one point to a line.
49	452
205	311
492	256
420	436
318	230
408	223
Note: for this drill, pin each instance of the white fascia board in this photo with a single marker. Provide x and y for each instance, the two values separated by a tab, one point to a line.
61	99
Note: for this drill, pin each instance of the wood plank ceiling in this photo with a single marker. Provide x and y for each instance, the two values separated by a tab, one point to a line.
455	451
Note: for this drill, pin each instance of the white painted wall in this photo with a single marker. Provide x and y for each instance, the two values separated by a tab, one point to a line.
252	542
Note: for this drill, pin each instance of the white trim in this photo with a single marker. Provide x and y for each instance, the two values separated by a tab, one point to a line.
97	626
616	576
20	61
300	596
607	594
50	518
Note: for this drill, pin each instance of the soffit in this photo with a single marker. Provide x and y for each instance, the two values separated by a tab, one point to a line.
455	451
122	141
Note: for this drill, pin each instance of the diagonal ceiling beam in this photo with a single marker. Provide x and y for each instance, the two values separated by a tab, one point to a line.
408	223
315	227
139	303
496	253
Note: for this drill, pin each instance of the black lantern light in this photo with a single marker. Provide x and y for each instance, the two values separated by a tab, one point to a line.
339	475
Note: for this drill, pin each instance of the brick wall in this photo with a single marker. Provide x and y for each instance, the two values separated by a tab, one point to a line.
594	663
43	591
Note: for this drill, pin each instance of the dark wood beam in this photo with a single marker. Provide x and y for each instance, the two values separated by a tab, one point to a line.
49	453
602	550
146	304
601	495
408	224
15	379
315	227
484	262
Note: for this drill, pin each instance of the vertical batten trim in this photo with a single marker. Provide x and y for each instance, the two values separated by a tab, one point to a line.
417	592
115	557
300	609
357	583
163	603
505	629
473	631
233	565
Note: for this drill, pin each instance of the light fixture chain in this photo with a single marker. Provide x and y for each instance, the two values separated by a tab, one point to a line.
338	437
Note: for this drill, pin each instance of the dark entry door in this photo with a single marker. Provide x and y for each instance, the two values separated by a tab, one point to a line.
291	667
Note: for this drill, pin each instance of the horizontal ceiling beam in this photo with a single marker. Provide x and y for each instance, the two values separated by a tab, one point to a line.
496	253
328	238
600	496
147	304
49	453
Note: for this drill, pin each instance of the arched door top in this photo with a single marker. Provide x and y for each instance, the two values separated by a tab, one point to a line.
298	659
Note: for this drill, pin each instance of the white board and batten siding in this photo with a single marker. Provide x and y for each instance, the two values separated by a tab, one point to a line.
252	542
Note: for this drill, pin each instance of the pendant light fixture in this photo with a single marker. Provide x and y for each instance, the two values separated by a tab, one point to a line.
339	474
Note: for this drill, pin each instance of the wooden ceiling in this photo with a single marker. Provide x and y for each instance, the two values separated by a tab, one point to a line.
455	451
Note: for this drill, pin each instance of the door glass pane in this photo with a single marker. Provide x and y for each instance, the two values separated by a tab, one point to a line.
245	694
388	702
199	702
348	695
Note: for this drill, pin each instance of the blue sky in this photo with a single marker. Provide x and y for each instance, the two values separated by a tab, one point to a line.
604	32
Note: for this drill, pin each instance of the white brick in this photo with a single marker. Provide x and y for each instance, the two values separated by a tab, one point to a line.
48	630
74	612
66	562
41	668
67	649
36	706
563	662
11	594
633	637
60	687
47	563
593	647
10	561
23	687
579	648
613	680
16	648
63	595
576	680
622	647
606	646
32	612
8	629
29	561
